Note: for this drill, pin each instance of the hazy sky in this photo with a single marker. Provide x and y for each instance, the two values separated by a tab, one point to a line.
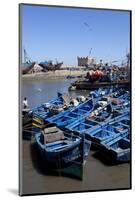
65	33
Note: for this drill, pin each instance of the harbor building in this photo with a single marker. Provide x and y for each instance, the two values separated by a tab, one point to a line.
86	61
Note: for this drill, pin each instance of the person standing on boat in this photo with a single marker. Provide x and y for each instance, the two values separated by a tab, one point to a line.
25	103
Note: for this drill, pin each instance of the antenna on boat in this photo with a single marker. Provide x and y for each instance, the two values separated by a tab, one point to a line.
90	52
56	60
26	57
128	64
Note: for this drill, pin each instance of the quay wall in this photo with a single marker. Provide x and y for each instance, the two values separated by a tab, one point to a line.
54	74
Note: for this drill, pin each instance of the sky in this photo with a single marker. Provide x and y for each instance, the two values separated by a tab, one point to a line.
50	33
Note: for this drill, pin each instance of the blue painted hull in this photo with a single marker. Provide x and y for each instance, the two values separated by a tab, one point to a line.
44	109
71	115
119	127
58	155
118	151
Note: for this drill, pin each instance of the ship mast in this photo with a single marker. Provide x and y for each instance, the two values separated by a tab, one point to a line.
128	65
26	57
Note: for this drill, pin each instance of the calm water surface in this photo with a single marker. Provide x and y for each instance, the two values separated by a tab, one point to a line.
44	90
97	174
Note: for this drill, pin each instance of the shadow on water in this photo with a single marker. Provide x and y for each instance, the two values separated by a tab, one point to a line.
102	159
108	162
98	155
44	170
37	162
26	135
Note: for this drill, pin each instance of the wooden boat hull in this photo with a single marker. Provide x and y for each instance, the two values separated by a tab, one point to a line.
62	151
117	155
62	158
34	120
87	125
71	115
51	67
86	85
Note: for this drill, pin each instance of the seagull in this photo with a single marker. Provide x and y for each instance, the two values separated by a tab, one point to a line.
87	25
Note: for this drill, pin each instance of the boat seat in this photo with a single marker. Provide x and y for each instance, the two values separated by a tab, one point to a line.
53	137
48	130
68	141
56	109
119	150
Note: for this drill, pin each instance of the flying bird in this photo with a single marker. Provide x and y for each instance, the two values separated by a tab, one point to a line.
87	25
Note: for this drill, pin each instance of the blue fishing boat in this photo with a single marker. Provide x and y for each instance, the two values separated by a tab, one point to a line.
116	150
110	130
99	92
102	112
41	115
54	106
120	100
61	151
35	117
69	116
113	91
98	124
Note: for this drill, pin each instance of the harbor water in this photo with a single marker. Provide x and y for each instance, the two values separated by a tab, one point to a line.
41	91
98	175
